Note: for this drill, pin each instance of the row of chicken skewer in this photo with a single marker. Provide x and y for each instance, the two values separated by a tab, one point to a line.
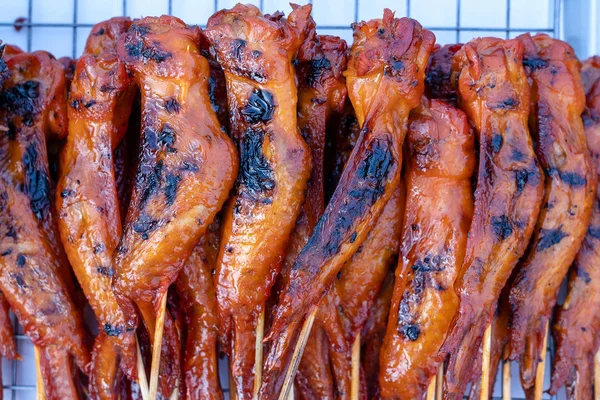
257	188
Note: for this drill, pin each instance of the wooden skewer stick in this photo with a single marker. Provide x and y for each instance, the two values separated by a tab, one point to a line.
506	376
292	395
141	370
355	387
258	354
431	392
439	383
597	376
156	348
297	356
40	391
541	368
485	364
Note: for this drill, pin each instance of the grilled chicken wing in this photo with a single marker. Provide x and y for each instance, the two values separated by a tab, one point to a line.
186	167
439	209
35	277
199	305
558	101
438	84
493	91
577	326
385	80
87	201
256	54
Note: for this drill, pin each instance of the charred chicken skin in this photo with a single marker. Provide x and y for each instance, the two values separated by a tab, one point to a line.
256	54
438	82
558	101
199	305
87	198
385	82
35	276
434	238
577	323
493	91
186	166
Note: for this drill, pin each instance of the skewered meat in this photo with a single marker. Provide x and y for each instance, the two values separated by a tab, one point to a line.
439	209
256	54
35	276
493	91
558	100
186	168
385	80
199	304
577	326
87	202
438	84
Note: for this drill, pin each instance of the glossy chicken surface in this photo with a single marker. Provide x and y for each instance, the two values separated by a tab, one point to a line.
199	305
87	200
493	91
438	82
385	81
35	277
558	100
256	54
434	236
577	324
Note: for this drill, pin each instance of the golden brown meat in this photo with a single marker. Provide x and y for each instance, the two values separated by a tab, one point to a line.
186	167
87	202
441	162
577	323
34	274
197	300
557	101
385	81
493	91
438	84
256	54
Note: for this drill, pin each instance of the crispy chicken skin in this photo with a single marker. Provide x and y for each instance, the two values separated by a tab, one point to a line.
256	54
88	209
438	84
385	82
199	305
35	276
439	209
577	323
557	102
493	91
186	167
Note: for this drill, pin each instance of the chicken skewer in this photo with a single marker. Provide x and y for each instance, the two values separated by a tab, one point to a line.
434	239
493	91
186	168
577	324
557	100
256	54
35	276
385	81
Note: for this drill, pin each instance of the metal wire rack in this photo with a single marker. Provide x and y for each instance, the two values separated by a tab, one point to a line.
19	379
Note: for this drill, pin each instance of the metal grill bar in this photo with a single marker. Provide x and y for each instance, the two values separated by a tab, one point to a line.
29	25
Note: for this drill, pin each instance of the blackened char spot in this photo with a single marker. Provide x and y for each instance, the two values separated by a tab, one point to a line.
508	104
316	69
149	181
37	183
581	272
144	225
550	237
20	260
594	231
353	237
534	63
259	108
99	32
524	177
136	48
572	178
501	226
20	281
171	184
166	136
107	271
366	187
20	100
90	103
496	142
6	253
237	48
172	106
411	332
112	331
256	175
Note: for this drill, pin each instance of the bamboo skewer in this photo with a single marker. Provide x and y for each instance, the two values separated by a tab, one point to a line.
258	357
597	376
541	367
354	389
141	370
431	389
156	348
439	383
297	356
40	391
506	376
485	364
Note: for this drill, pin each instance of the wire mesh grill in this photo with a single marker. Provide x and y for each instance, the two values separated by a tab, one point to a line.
19	381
